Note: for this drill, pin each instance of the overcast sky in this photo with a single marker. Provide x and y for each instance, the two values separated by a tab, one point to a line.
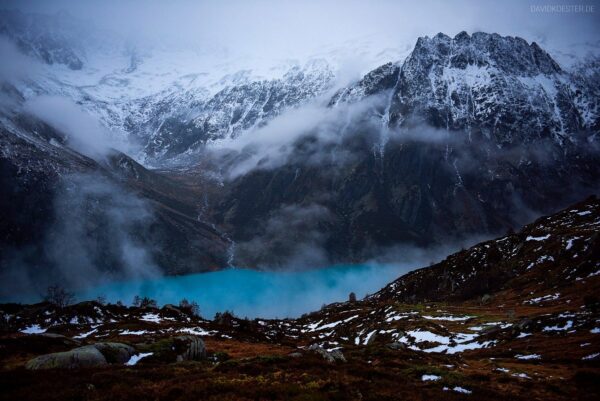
290	28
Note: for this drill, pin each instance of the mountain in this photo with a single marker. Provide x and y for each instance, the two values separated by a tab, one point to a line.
244	105
72	218
514	317
467	137
470	135
501	88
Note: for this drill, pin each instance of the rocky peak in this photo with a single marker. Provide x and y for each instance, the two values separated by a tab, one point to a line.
512	55
501	88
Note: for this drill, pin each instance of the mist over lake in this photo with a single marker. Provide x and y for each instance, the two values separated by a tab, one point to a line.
251	293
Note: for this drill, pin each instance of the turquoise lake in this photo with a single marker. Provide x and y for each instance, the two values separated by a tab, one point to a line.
252	293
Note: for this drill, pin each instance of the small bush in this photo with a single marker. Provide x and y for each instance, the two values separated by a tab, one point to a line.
191	308
224	318
144	302
59	296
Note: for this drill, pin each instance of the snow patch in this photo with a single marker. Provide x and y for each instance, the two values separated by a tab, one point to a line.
136	358
33	329
542	238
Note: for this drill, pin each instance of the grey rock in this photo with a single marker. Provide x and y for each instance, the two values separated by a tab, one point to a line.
524	324
190	348
330	356
372	339
94	355
115	352
486	299
82	357
396	346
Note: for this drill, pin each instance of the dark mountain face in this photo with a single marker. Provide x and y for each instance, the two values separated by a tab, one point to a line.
484	132
66	218
418	193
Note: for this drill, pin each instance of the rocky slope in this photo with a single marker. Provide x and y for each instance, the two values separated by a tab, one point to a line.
516	316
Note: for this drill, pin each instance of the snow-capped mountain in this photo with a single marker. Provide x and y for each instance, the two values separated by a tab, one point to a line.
502	88
461	136
188	120
477	129
170	101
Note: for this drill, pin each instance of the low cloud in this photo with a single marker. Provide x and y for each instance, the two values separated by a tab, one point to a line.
291	237
84	132
98	232
15	65
284	137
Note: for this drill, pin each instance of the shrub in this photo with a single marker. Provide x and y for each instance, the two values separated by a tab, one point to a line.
224	318
144	302
191	308
59	296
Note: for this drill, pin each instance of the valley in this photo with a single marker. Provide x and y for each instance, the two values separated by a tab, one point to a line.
251	200
531	335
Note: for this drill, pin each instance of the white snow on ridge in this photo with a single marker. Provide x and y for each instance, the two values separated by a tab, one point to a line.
541	238
567	326
427	336
198	331
86	334
528	357
133	332
449	318
151	317
545	298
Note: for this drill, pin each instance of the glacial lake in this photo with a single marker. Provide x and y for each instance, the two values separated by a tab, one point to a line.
252	293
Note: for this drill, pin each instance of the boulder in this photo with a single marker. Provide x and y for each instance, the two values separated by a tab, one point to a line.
100	354
371	339
115	352
330	356
486	299
176	349
82	357
189	348
171	310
